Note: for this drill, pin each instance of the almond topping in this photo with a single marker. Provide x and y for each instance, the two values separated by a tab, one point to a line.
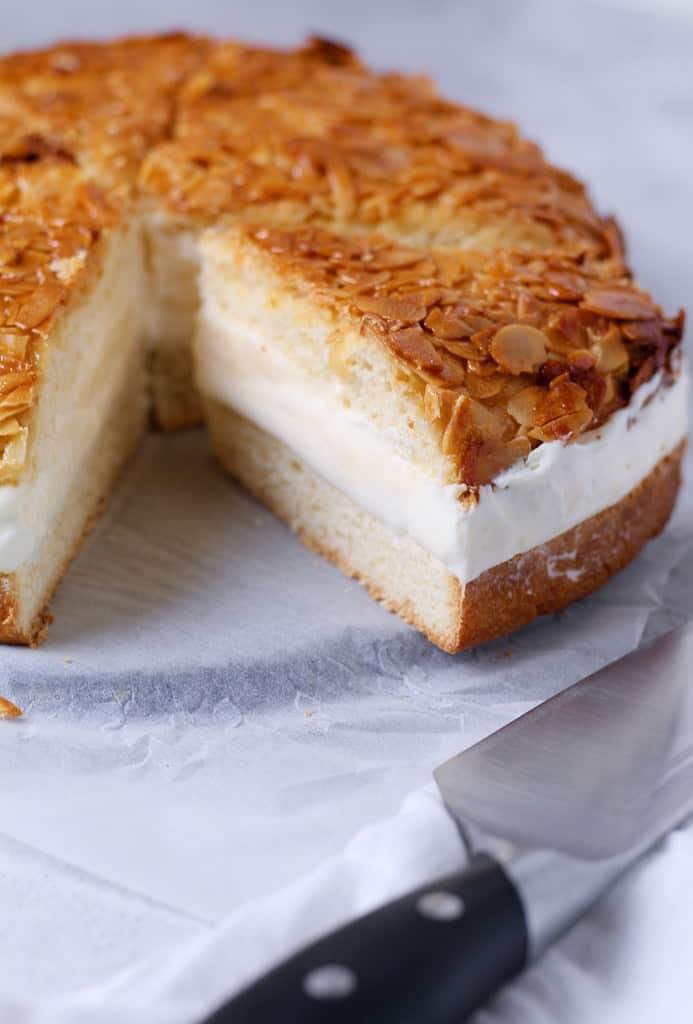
524	404
563	413
448	325
619	303
612	354
404	310
519	348
412	344
39	306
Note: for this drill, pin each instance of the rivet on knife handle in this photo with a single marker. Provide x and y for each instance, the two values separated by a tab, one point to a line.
434	955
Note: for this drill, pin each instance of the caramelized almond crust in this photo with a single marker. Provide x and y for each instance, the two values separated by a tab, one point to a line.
505	350
506	597
313	136
530	330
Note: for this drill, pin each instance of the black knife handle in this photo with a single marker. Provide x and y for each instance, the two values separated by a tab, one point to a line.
431	957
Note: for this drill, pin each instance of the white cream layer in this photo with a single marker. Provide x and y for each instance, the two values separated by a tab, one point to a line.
555	489
92	350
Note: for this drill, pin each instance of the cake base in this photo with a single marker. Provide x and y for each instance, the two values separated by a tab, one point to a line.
409	580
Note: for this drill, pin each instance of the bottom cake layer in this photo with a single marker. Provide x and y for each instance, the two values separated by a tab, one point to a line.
409	580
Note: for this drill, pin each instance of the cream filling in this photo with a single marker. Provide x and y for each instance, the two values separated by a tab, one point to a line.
93	348
556	488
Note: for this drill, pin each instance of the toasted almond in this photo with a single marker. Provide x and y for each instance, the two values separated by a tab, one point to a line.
523	405
497	456
9	425
619	303
414	345
480	386
8	709
39	306
20	396
471	422
519	348
581	359
13	345
448	325
391	307
14	455
463	349
562	413
15	379
612	354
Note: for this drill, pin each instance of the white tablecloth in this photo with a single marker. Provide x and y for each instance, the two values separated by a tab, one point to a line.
217	713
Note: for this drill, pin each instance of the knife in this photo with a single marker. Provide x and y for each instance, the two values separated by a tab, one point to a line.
552	809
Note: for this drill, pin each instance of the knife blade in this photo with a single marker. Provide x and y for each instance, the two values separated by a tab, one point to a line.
552	809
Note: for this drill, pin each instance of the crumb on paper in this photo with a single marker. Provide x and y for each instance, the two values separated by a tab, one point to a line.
8	709
308	714
68	661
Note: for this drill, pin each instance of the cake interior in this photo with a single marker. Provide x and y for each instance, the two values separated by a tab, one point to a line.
309	413
315	420
91	416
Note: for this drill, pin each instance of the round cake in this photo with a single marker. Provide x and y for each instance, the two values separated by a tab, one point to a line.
408	334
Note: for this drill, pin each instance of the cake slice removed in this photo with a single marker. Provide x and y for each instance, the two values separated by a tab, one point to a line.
480	438
72	376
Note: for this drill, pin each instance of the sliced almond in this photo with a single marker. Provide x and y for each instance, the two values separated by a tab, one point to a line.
524	404
612	354
14	455
13	345
20	396
39	306
563	413
519	348
619	303
494	457
15	379
391	307
414	345
483	387
462	349
448	325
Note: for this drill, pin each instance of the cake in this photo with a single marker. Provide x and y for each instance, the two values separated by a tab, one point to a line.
409	335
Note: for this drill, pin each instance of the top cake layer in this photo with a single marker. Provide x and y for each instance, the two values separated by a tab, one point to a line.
504	350
533	294
312	136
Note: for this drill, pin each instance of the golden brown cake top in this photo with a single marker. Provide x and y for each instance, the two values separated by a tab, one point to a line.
75	123
50	217
313	136
510	349
104	105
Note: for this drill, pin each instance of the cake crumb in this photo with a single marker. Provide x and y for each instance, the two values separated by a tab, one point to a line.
8	709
